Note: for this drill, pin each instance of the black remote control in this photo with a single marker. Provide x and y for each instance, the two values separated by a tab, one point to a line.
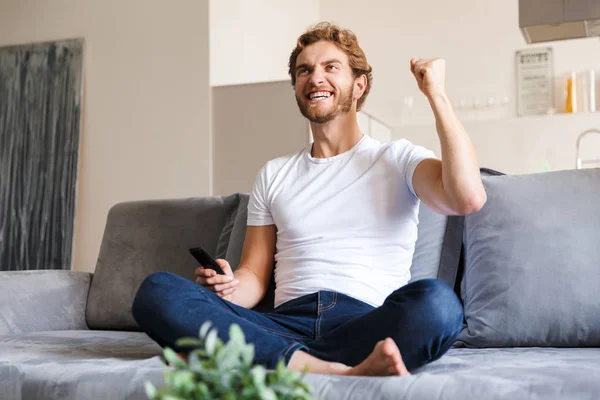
206	260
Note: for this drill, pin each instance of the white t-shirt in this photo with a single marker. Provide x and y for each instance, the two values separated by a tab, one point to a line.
347	223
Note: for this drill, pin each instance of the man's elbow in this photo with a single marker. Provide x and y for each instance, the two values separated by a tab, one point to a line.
472	204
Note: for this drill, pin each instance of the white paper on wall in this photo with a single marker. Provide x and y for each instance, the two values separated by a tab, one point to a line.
535	81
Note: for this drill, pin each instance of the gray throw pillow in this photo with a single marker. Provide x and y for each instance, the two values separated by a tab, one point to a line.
231	240
532	262
238	232
231	204
452	263
428	249
142	237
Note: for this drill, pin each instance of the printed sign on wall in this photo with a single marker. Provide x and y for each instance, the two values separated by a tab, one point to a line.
535	81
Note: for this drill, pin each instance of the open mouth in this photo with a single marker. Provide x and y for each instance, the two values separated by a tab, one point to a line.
319	96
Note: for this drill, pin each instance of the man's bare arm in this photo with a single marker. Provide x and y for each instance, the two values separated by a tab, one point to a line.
256	266
452	186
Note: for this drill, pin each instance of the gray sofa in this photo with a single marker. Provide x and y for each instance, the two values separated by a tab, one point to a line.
527	268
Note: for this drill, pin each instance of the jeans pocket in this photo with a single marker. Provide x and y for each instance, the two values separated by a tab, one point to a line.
309	300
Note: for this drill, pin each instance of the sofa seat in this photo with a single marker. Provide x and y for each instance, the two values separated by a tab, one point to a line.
510	373
114	365
78	364
76	344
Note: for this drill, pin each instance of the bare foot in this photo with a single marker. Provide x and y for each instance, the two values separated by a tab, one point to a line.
383	361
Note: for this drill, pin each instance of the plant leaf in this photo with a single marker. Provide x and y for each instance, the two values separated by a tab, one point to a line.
173	358
266	393
249	392
248	354
211	342
236	335
281	390
230	396
224	371
172	397
183	381
189	342
204	329
194	362
258	375
202	389
200	354
280	368
300	391
151	391
227	360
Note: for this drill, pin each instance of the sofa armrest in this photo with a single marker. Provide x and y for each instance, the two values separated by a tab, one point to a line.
42	300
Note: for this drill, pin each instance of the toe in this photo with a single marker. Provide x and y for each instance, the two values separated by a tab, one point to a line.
391	350
389	347
401	369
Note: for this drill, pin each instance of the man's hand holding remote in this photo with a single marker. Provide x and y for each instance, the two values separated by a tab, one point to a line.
222	285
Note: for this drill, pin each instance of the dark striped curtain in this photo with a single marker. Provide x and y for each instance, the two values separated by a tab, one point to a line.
40	107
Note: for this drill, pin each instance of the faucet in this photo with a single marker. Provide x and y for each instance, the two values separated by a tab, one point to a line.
580	162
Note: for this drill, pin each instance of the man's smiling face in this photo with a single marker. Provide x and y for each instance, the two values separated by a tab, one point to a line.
324	82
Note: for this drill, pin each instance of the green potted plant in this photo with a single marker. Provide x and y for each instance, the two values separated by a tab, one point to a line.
217	370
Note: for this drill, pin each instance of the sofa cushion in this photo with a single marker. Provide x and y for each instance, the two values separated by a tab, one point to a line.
230	204
84	344
452	264
232	236
427	257
238	233
531	262
42	300
94	365
143	237
475	374
78	365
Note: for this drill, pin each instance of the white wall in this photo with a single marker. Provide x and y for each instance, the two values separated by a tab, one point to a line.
251	40
146	127
520	145
477	38
252	124
373	127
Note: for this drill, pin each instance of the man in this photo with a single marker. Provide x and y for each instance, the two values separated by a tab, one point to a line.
340	219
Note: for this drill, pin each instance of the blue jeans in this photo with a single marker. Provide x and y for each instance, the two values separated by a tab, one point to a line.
423	317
